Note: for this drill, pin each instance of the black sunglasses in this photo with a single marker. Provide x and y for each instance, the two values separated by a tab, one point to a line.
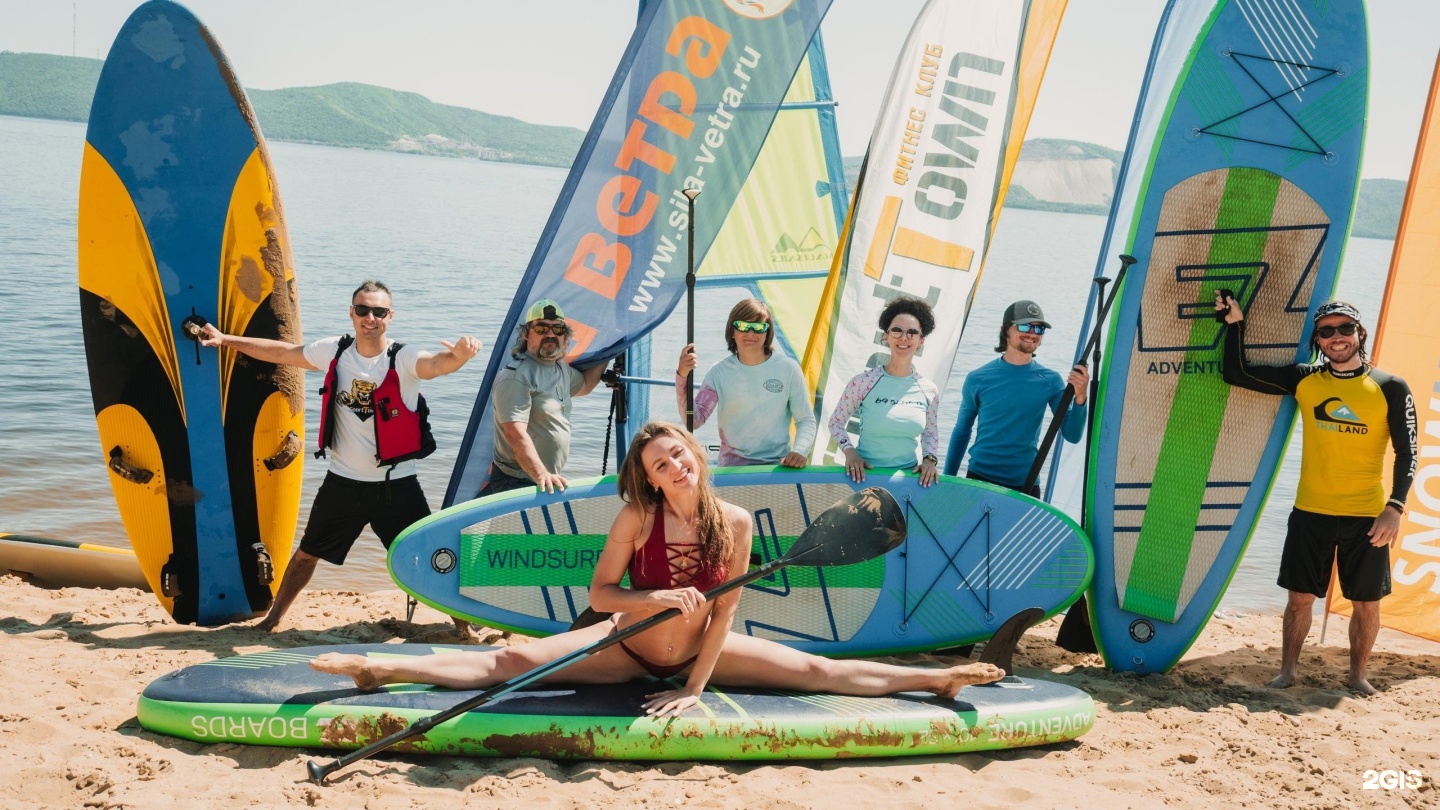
362	310
1327	332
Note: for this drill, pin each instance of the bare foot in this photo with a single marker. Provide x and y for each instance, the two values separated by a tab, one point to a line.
267	625
1282	681
1362	686
353	666
965	675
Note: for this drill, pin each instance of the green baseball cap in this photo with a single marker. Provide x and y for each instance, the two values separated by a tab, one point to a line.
544	309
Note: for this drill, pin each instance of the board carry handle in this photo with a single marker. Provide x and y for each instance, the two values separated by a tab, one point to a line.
191	328
859	527
1225	294
1065	399
289	449
126	470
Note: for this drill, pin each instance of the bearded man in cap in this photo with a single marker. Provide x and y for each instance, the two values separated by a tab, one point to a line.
1008	398
532	397
1352	412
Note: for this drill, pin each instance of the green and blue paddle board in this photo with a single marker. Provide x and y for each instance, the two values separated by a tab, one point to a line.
180	222
1241	174
976	555
275	698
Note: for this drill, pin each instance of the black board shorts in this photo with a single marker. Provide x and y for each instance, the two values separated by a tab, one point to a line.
344	507
1314	541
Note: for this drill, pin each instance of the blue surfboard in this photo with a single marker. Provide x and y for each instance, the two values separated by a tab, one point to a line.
976	555
180	222
1241	174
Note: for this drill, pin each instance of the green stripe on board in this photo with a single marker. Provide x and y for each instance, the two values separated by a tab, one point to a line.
568	560
1162	552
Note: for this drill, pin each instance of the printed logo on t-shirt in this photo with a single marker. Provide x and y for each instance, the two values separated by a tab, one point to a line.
774	386
1335	416
358	398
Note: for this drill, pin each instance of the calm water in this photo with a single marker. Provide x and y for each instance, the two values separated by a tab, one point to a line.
451	238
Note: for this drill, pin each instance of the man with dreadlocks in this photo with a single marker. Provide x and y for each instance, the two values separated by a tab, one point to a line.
1351	412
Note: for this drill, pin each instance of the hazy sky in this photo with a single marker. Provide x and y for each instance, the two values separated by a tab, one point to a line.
549	61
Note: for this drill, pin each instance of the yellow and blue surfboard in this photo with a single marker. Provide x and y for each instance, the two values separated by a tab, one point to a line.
180	223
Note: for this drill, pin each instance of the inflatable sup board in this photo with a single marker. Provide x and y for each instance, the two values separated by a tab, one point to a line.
68	564
1242	173
275	698
976	555
181	223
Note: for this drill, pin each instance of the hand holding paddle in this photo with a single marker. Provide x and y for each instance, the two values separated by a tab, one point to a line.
1092	343
862	526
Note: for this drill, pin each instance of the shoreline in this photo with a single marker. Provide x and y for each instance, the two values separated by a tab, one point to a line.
1208	733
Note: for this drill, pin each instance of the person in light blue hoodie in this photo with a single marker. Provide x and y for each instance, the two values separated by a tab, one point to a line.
755	393
1008	397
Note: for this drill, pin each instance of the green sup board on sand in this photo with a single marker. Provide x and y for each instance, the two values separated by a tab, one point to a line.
275	698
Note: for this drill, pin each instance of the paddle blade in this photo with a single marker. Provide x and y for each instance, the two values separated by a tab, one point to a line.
857	528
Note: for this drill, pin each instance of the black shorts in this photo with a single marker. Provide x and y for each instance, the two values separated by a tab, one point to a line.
1033	492
1315	541
344	506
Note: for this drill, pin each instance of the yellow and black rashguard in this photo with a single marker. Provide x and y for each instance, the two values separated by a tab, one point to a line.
1349	419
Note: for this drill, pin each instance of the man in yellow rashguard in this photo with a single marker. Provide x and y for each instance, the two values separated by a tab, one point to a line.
1351	412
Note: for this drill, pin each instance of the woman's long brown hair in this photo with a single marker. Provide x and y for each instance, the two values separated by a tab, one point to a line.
712	530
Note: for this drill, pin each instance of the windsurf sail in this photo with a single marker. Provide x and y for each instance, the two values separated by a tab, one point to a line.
689	107
1409	334
777	240
929	196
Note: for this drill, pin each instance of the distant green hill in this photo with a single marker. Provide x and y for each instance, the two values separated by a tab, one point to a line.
37	85
1377	213
359	115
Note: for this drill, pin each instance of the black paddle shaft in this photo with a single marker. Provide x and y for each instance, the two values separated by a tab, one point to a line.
862	526
1069	395
690	195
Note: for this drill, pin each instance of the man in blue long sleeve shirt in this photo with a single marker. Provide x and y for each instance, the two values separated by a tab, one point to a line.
1008	398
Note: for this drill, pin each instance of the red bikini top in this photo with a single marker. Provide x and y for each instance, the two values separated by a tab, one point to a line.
659	565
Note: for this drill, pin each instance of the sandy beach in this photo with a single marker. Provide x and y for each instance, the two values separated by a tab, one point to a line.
1208	734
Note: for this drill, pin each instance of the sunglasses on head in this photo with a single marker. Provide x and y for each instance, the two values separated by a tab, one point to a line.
897	332
362	310
751	326
559	329
1327	332
1032	328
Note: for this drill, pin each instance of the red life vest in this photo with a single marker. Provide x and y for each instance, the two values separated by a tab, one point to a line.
400	433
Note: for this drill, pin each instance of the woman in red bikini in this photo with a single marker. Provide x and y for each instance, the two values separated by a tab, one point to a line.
676	539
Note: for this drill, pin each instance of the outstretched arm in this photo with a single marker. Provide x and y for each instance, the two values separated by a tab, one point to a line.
430	365
269	351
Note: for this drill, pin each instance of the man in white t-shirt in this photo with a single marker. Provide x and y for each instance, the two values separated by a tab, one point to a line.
360	487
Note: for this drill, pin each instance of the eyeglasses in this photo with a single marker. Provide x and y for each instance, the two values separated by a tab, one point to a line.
558	329
897	332
751	326
1327	332
362	311
1032	328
